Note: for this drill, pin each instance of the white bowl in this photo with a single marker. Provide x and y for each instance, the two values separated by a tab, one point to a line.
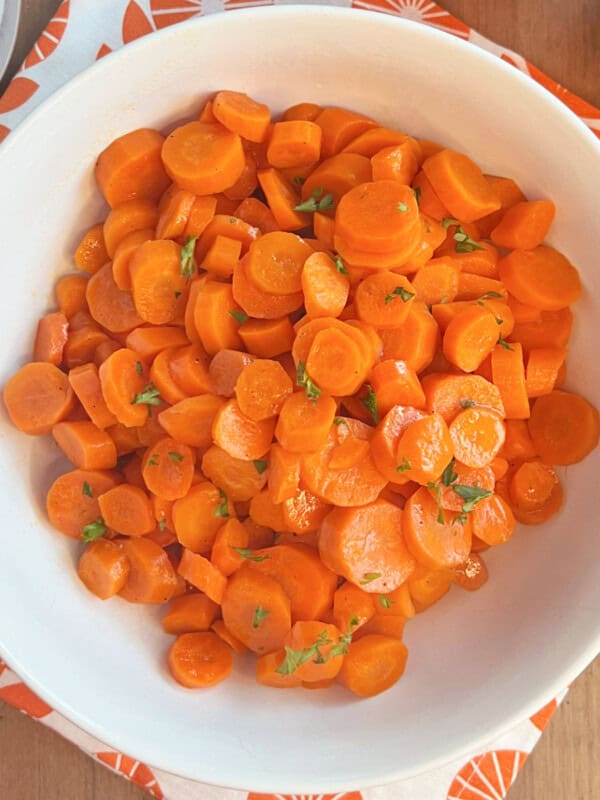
478	663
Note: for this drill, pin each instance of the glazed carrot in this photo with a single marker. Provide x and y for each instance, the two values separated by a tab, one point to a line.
460	185
216	325
324	286
267	338
394	604
51	338
131	167
363	545
525	225
188	366
190	613
352	607
551	329
70	294
199	660
324	229
325	646
274	263
85	383
239	435
109	306
304	512
242	115
493	521
126	218
149	341
125	252
225	205
256	303
384	441
282	200
103	568
448	394
81	344
531	485
424	449
257	214
104	349
231	538
222	256
162	383
392	627
477	435
564	427
267	673
542	277
256	610
152	578
304	423
190	420
548	510
472	287
543	368
37	397
508	373
384	299
302	111
262	388
337	175
444	313
483	262
127	510
470	338
284	473
85	445
436	544
522	312
225	634
397	163
373	665
247	183
198	571
201	214
294	143
126	439
198	515
259	536
359	332
132	471
414	341
471	575
378	217
395	384
168	468
335	362
91	252
429	202
263	511
203	157
174	215
429	148
306	581
509	194
376	139
157	280
340	127
437	280
125	387
427	586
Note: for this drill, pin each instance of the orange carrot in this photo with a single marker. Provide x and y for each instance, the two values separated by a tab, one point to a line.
257	214
435	538
460	185
85	383
352	605
222	256
424	449
477	435
414	341
110	306
543	368
226	553
85	445
282	200
525	225
262	388
70	294
126	218
267	338
397	162
239	435
275	262
373	665
429	202
103	568
199	660
190	420
564	427
198	571
395	384
198	515
190	613
531	485
509	194
37	397
340	127
306	111
337	175
225	368
213	317
151	578
427	586
304	423
471	575
492	520
201	214
91	253
542	277
470	338
508	373
51	338
242	115
294	143
256	303
304	512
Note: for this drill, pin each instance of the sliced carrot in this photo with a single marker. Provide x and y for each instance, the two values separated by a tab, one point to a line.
201	214
267	338
304	512
394	604
125	387
551	329
373	665
190	420
449	394
131	167
157	280
126	439
392	627
85	445
126	218
384	441
509	194
216	325
294	143
372	141
257	214
337	175
266	513
525	225
198	515
352	607
104	349
242	115
414	341
81	345
174	215
70	294
127	510
231	538
428	586
471	575
199	660
282	200
247	183
225	368
161	378
124	254
435	538
267	673
152	578
429	202
304	424
424	449
256	610
51	338
531	485
470	338
262	388
492	520
149	341
564	427
258	304
473	287
189	367
85	383
384	299
274	263
168	468
91	252
477	435
548	510
239	435
429	148
363	544
284	473
335	362
302	111
394	383
37	397
397	163
225	634
198	571
339	127
508	373
222	256
109	306
542	277
325	640
190	613
103	568
460	185
543	368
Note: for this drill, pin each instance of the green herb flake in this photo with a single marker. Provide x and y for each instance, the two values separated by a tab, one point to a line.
239	316
339	265
295	658
232	220
248	554
317	202
471	495
177	295
492	296
370	403
385	602
403	466
299	181
86	489
399	291
466	403
222	510
417	194
304	382
499	321
447	221
402	207
437	489
162	524
369	577
149	396
260	465
154	460
93	530
449	476
339	421
175	456
464	243
444	299
503	343
139	368
460	519
260	613
186	264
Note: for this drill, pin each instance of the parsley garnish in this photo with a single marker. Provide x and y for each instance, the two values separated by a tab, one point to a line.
248	554
299	180
402	207
86	489
444	299
139	368
177	295
467	403
471	495
385	602
317	202
464	243
435	487
149	396
370	403
447	221
153	460
399	291
503	343
222	510
175	456
369	577
186	266
295	658
448	475
403	466
339	421
260	465
339	265
304	382
260	613
232	220
239	316
417	194
491	295
93	530
162	524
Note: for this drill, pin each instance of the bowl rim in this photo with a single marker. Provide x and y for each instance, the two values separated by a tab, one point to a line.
153	755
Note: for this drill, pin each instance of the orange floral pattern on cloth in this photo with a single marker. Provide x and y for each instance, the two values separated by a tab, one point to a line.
488	776
133	770
50	38
541	718
339	796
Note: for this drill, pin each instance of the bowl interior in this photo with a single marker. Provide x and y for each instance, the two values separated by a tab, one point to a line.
477	663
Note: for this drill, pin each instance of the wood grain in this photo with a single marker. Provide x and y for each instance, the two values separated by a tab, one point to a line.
562	37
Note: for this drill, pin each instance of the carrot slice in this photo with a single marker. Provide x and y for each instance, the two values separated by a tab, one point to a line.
304	512
302	111
157	280
51	338
460	185
151	578
384	299
551	329
85	383
492	520
274	263
239	435
335	362
85	445
91	253
131	167
125	252
267	338
509	194
225	554
365	546
373	665
414	341
257	214
524	226
258	304
215	323
201	214
126	218
198	571
477	435
352	605
267	673
149	341
70	294
508	374
284	473
531	485
325	640
471	575
470	338
564	427
435	539
339	127
125	387
103	568
256	610
449	394
542	277
304	424
543	368
190	613
395	384
424	449
294	143
337	175
548	510
264	512
199	660
397	163
198	515
168	468
109	306
262	388
429	202
37	397
282	200
437	281
203	157
242	115
190	420
427	586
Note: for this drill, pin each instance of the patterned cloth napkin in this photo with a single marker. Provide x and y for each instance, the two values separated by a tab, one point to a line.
81	32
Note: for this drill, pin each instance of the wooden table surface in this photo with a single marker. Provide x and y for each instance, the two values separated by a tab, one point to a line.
562	37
